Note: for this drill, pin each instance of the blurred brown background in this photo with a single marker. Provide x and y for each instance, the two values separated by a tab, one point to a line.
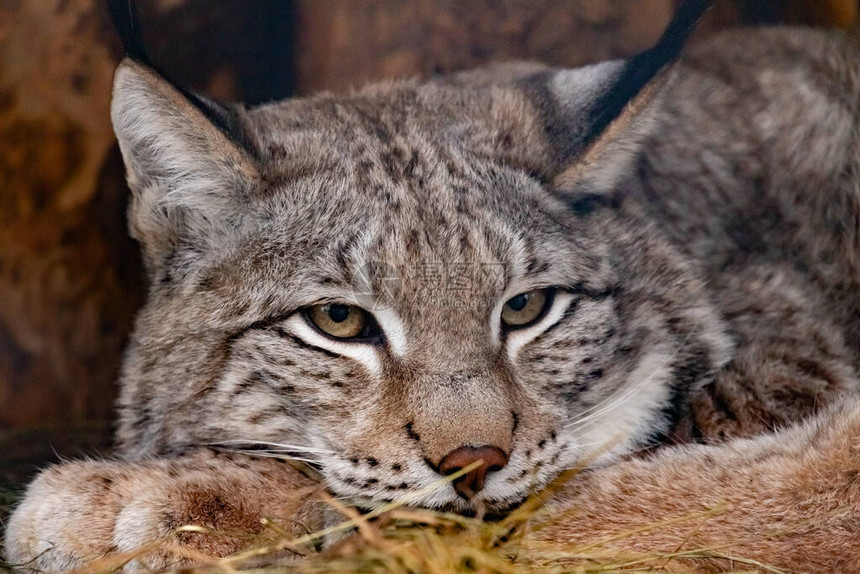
70	279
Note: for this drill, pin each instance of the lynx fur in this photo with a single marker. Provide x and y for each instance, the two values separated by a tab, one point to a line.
701	256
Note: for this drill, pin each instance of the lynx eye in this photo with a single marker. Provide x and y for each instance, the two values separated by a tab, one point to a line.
525	308
339	320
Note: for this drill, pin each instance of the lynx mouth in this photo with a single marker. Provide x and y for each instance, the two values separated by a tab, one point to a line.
487	511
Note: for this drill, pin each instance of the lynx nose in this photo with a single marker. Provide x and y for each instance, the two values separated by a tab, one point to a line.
473	481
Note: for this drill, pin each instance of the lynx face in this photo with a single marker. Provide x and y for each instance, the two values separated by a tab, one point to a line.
400	282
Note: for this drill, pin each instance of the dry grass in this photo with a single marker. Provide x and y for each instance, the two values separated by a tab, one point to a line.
395	538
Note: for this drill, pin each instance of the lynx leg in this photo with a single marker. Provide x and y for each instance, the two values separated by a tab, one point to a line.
80	511
790	500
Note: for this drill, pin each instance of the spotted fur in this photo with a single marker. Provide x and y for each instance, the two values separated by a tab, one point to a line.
702	248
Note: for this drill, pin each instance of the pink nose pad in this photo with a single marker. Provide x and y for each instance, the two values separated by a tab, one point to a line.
472	482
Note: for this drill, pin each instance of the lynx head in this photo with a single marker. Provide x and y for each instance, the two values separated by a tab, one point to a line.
399	282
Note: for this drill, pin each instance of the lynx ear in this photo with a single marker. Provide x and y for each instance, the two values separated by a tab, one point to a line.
594	154
188	163
598	116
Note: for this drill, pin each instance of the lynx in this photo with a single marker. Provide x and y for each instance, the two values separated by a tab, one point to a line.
516	266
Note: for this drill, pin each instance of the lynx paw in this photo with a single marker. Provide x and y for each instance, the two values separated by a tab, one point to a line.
77	512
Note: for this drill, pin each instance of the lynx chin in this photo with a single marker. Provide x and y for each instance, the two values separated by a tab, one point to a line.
518	265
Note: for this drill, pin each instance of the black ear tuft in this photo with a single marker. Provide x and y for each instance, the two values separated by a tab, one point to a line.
126	20
639	70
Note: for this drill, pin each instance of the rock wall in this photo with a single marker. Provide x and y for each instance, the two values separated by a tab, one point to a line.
67	289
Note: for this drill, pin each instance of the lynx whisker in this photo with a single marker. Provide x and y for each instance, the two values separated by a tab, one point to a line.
272	446
278	455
